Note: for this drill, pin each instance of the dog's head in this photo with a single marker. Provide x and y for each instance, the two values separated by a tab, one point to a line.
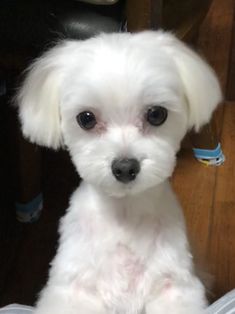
120	103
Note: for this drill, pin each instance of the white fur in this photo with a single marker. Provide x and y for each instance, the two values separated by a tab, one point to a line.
123	247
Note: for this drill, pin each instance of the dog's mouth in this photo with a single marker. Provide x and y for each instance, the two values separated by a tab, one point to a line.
121	191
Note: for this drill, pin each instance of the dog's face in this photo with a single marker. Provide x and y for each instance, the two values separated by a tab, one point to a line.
123	118
121	104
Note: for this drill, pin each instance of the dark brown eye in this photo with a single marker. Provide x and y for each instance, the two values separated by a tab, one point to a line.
86	120
156	115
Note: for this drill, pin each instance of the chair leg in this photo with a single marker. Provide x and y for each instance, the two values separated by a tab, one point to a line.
26	172
29	177
25	161
206	146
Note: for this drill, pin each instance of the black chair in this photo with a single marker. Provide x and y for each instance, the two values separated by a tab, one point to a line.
27	28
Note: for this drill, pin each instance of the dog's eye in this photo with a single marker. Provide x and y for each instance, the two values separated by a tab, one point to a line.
156	115
86	120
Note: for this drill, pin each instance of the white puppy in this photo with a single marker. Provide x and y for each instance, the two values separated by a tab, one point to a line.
121	104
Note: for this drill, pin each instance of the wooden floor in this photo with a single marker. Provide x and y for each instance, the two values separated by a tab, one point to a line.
208	193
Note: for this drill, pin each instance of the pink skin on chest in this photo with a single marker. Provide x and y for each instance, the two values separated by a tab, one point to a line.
128	266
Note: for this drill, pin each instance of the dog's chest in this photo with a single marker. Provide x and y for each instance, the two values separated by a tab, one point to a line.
121	247
122	279
124	265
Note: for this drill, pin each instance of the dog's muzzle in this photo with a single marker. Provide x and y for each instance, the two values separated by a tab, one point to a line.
125	169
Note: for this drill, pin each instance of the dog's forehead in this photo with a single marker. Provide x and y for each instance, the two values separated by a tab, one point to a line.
121	59
121	75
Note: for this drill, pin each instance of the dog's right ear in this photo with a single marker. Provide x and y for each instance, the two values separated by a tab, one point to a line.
38	101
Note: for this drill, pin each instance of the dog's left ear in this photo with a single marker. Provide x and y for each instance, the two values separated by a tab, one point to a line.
38	101
201	86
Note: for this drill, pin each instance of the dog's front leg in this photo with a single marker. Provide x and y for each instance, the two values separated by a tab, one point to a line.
182	297
67	301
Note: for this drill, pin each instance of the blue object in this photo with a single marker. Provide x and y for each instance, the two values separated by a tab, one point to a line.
29	212
208	157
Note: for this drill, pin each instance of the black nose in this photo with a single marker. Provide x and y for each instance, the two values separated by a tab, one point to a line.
125	170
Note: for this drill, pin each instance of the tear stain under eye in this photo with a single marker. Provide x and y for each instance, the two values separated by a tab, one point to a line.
101	127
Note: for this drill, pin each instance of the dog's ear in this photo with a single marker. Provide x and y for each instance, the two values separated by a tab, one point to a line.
201	86
38	101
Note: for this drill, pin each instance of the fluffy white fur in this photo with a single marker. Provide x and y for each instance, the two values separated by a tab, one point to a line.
123	247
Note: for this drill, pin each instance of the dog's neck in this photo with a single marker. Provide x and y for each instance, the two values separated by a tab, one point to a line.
154	191
146	203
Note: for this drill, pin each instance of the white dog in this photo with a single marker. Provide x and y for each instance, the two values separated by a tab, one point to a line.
121	104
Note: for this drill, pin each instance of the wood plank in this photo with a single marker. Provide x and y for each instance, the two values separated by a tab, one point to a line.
215	37
194	185
221	249
142	15
184	17
231	75
214	43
